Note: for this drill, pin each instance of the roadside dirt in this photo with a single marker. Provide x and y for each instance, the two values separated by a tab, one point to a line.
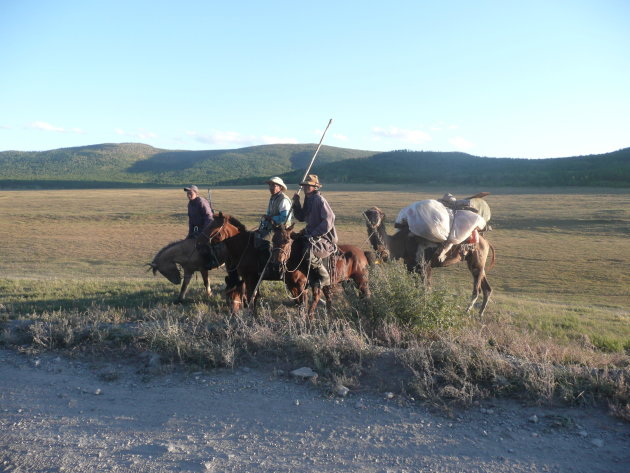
63	415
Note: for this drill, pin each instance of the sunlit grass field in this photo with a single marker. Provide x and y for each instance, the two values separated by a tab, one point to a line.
562	269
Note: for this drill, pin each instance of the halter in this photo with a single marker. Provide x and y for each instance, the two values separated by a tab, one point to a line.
374	227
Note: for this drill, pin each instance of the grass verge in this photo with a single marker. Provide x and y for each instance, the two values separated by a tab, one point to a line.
404	339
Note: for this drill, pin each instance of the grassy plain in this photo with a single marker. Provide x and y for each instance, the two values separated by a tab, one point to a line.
75	263
557	246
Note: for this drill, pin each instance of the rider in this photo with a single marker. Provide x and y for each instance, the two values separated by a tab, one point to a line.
320	228
199	212
278	209
200	216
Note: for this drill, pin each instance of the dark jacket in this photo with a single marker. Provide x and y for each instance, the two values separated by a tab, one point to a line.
199	214
320	222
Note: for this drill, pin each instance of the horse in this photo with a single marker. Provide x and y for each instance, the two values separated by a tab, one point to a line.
241	256
350	264
420	254
185	254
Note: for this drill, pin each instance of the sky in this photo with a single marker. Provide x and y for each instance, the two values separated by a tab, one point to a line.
520	79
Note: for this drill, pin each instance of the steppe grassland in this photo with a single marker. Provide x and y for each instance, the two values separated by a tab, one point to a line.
563	255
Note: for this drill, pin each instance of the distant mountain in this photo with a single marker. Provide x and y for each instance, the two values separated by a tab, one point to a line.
133	164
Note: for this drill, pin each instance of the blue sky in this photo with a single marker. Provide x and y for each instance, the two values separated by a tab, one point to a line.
534	79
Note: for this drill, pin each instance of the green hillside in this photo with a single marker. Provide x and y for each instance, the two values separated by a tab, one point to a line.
133	164
138	164
424	167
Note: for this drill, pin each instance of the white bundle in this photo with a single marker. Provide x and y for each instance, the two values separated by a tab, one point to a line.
464	222
428	219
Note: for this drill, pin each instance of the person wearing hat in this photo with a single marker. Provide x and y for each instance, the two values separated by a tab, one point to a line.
199	212
320	228
278	209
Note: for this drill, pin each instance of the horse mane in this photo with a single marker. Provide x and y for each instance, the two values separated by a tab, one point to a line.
236	222
170	245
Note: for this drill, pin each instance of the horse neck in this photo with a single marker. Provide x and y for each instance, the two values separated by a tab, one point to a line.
379	237
178	252
238	242
295	256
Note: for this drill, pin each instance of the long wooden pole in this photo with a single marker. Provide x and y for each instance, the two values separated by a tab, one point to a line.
308	169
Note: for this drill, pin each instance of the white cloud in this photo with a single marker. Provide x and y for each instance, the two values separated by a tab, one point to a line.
44	126
340	137
140	134
233	138
461	144
401	134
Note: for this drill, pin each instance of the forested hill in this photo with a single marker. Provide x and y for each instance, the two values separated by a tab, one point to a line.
424	167
131	164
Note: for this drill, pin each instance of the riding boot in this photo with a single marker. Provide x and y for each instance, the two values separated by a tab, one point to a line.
319	276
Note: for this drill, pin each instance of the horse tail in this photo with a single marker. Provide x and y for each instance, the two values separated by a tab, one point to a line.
492	261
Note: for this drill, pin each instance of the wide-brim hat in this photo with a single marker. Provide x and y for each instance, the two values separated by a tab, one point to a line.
311	180
277	180
192	188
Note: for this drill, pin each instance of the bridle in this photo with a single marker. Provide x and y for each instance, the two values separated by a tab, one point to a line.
373	227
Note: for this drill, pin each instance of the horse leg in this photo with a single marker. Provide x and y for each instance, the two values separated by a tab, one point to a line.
184	288
328	290
317	294
487	290
206	284
478	274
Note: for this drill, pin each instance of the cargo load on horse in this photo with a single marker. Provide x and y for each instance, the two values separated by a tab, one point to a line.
442	221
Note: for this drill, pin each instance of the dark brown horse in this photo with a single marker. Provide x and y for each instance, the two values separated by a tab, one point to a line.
289	252
419	254
242	257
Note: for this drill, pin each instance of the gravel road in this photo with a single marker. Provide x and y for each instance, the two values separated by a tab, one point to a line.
63	415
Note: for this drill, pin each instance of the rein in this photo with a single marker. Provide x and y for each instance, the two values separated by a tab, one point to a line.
287	252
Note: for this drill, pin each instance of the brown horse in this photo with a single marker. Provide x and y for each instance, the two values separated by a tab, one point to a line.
182	253
419	254
241	256
289	253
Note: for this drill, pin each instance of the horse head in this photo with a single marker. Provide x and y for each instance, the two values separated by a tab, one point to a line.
281	242
374	218
168	269
223	226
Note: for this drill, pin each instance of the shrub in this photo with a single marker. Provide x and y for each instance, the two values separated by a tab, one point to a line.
400	296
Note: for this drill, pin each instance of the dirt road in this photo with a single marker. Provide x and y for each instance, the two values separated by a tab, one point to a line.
61	415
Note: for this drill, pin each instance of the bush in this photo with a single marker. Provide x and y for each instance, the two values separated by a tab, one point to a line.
400	296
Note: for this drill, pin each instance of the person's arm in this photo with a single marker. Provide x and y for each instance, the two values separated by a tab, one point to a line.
206	213
298	210
326	219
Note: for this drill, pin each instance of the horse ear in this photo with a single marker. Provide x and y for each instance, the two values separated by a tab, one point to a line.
290	227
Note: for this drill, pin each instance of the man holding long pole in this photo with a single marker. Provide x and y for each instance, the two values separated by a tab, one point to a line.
319	232
308	169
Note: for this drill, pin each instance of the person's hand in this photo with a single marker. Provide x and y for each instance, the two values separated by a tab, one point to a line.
267	218
296	197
